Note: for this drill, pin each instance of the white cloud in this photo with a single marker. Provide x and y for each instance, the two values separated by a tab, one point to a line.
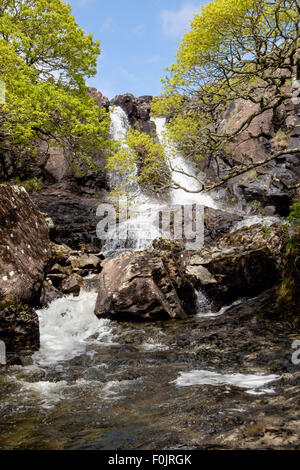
174	23
128	75
152	60
109	26
138	30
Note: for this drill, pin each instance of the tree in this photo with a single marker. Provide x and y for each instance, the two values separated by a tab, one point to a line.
45	59
236	49
139	151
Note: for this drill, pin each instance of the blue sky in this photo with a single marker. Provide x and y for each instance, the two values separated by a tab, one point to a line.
138	38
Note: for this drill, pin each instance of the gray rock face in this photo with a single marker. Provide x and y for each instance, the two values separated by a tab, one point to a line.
137	110
218	222
244	263
24	245
151	285
74	215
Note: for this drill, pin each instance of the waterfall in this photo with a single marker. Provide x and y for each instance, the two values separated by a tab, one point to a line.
145	225
187	179
119	124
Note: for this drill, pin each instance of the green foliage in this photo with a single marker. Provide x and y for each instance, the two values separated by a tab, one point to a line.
294	216
45	58
235	51
31	185
141	150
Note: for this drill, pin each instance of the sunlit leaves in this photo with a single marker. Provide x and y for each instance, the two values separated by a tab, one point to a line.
45	58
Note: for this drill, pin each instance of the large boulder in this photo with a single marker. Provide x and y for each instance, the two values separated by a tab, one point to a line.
24	245
241	264
19	330
149	285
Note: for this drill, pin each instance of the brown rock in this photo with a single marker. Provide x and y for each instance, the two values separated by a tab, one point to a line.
241	264
48	294
72	284
19	330
85	262
151	285
24	245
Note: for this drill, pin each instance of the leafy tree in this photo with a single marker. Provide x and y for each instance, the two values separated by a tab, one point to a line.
45	59
236	49
140	151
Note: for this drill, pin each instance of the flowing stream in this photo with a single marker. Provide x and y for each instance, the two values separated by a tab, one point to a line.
98	384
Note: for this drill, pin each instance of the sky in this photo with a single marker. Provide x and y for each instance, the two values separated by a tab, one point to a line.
139	38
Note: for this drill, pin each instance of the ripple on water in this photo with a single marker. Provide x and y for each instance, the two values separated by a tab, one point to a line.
252	382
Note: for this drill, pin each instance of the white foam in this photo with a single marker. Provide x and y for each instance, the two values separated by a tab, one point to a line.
48	393
256	219
66	326
152	346
252	382
220	312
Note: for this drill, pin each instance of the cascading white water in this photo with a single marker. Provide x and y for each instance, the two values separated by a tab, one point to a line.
179	164
119	124
65	327
144	227
257	219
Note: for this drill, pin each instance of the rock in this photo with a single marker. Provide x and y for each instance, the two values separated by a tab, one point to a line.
24	245
85	262
101	100
19	330
61	253
268	196
48	294
149	285
58	269
218	222
73	214
55	279
137	110
89	249
202	274
241	264
58	166
72	284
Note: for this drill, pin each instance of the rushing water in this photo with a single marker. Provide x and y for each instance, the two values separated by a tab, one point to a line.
147	208
98	384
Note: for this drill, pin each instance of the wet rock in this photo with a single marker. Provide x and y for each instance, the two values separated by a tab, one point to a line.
24	245
151	285
218	222
85	262
268	196
240	264
72	284
73	214
48	294
19	330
